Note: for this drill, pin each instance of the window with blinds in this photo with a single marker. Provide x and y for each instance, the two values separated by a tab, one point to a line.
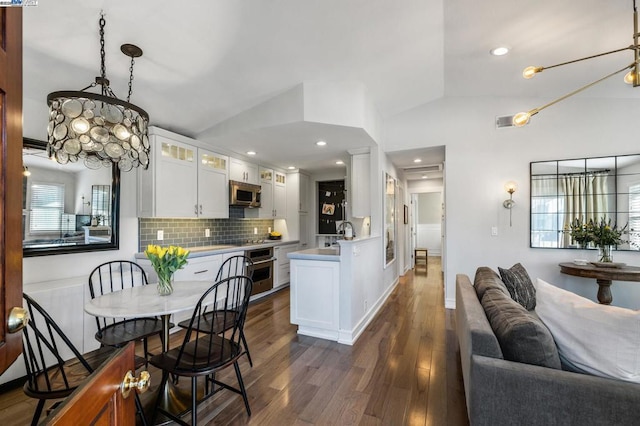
47	206
634	217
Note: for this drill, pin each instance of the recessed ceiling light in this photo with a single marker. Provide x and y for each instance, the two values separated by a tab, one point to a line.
291	167
321	143
417	160
499	51
424	176
251	153
339	162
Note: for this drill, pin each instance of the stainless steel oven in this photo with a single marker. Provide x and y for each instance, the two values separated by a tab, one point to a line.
262	274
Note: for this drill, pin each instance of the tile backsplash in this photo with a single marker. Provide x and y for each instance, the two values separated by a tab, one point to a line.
191	232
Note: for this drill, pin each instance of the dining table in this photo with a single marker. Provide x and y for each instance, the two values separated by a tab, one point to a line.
144	301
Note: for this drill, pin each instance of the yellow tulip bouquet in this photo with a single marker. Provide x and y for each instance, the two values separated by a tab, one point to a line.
166	261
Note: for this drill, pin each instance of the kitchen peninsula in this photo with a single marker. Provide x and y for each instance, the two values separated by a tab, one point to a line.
335	292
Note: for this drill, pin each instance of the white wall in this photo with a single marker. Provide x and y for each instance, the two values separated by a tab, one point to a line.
481	158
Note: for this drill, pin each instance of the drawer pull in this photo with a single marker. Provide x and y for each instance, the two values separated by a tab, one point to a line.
201	272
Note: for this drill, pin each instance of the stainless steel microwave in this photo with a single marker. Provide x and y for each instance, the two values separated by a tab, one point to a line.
244	194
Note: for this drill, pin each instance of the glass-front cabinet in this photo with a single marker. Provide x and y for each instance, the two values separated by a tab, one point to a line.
566	192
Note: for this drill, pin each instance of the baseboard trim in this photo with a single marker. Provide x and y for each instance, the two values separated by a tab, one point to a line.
349	337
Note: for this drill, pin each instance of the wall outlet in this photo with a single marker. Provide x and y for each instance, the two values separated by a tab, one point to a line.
365	305
494	231
207	232
160	235
255	231
269	230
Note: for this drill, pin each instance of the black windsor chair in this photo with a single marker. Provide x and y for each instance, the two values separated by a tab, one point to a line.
118	275
203	351
233	266
49	375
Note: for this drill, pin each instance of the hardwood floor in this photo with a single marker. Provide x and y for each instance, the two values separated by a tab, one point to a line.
404	368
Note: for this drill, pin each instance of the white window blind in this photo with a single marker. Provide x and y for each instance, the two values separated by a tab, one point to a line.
47	206
634	216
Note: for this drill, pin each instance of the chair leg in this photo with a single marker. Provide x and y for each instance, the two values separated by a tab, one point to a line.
246	348
242	389
146	348
139	408
36	415
194	400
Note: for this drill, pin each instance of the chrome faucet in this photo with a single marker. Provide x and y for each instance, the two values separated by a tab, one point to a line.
345	231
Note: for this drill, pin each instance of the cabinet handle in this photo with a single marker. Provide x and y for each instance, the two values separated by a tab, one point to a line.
196	209
201	272
200	208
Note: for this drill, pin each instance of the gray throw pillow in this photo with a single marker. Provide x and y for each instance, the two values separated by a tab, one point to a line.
519	285
485	279
521	334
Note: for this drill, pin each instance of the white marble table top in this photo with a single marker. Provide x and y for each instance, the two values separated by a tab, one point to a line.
145	301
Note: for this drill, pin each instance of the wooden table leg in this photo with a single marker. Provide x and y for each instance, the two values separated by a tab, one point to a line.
604	292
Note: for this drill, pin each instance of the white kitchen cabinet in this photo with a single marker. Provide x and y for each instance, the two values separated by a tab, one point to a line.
213	185
273	195
183	180
304	191
315	298
280	195
303	226
282	274
243	171
360	184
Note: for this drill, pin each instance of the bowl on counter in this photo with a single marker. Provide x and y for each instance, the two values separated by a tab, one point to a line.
271	237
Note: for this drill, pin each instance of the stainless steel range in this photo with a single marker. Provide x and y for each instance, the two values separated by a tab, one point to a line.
262	269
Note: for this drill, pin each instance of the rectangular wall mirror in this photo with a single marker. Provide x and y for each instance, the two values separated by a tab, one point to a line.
585	189
67	208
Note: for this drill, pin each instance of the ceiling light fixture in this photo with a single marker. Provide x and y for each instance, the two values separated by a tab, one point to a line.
499	51
339	162
291	167
417	160
321	143
632	77
99	128
251	153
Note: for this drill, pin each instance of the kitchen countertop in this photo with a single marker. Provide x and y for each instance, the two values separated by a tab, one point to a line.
331	254
227	248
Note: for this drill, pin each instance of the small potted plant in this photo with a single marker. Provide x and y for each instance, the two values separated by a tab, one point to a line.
605	237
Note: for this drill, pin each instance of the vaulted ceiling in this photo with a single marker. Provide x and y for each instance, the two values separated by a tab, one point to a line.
205	61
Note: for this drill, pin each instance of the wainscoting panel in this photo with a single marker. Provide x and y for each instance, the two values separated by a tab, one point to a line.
429	236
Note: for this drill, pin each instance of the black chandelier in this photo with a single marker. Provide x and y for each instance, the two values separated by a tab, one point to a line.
99	128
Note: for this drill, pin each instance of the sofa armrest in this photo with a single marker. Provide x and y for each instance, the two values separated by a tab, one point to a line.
512	393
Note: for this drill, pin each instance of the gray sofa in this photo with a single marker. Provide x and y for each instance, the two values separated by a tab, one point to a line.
502	392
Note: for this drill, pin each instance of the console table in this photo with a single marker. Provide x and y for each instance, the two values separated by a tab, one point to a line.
603	277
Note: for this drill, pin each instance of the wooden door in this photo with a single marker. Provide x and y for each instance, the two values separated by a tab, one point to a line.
99	400
10	179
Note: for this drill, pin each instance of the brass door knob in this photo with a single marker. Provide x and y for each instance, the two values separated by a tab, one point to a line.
141	383
18	319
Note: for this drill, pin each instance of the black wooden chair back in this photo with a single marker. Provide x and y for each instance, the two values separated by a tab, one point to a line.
114	276
234	266
228	300
204	351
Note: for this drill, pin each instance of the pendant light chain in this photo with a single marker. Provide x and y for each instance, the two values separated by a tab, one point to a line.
130	79
103	68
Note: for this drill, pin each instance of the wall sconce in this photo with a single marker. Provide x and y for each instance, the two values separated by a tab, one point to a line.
510	187
25	171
